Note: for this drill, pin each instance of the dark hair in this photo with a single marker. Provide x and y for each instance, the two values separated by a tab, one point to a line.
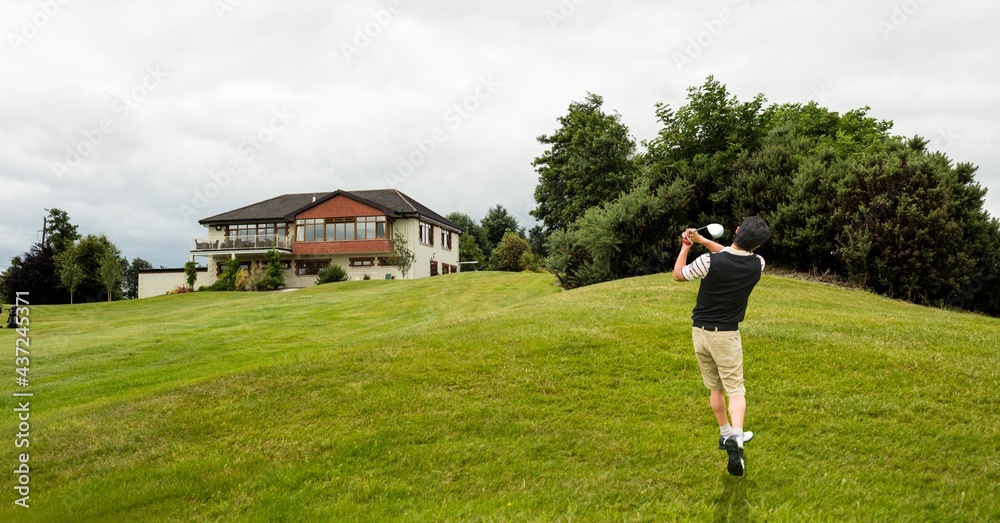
753	233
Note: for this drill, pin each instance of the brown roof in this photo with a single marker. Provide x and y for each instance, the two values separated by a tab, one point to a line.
284	208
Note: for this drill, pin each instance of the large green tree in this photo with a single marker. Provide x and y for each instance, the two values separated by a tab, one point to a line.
842	194
34	272
496	223
589	161
60	233
92	249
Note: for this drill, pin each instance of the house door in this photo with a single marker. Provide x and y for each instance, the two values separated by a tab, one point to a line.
434	268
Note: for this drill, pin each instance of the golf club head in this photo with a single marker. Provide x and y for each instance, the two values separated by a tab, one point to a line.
715	230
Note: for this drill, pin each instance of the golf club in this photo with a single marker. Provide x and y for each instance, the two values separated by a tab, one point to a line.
714	229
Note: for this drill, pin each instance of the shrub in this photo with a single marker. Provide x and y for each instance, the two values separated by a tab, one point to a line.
507	255
531	262
227	280
180	289
242	282
331	273
274	275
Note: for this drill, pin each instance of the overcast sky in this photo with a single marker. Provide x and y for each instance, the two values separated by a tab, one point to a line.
128	115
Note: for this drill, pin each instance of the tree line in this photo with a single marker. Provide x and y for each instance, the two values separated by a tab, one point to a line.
842	194
66	267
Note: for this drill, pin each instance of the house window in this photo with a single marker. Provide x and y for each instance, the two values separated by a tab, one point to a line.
362	262
445	268
270	231
256	231
371	227
382	260
446	240
242	231
426	233
339	229
309	230
434	268
307	267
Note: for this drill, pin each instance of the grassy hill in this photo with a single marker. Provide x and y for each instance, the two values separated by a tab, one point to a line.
496	397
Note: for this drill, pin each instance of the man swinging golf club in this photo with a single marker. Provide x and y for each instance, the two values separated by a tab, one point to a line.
728	275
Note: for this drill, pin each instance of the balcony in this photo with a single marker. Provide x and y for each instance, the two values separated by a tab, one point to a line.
241	245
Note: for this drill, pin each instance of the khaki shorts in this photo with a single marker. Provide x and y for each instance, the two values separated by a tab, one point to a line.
720	358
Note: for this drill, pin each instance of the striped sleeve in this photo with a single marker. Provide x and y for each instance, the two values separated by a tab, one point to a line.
698	268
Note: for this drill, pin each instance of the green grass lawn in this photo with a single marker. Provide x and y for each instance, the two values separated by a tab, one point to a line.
497	397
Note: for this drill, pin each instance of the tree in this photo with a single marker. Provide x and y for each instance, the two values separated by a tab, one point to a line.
842	195
59	232
402	257
109	271
274	275
91	250
701	142
70	270
589	162
537	239
496	223
507	255
190	274
474	231
34	272
132	277
469	251
911	225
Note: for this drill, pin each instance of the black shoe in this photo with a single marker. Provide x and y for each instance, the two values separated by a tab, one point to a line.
734	448
747	436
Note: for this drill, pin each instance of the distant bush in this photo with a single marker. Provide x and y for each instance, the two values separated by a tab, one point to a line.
331	273
180	289
507	255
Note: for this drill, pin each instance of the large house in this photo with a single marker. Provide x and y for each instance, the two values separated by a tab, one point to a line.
353	229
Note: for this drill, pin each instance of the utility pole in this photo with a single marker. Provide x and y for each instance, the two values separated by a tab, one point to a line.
45	224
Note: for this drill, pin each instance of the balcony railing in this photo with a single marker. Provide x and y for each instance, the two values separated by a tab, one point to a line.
251	243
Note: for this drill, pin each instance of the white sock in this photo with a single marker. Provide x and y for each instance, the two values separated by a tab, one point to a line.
738	432
726	430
